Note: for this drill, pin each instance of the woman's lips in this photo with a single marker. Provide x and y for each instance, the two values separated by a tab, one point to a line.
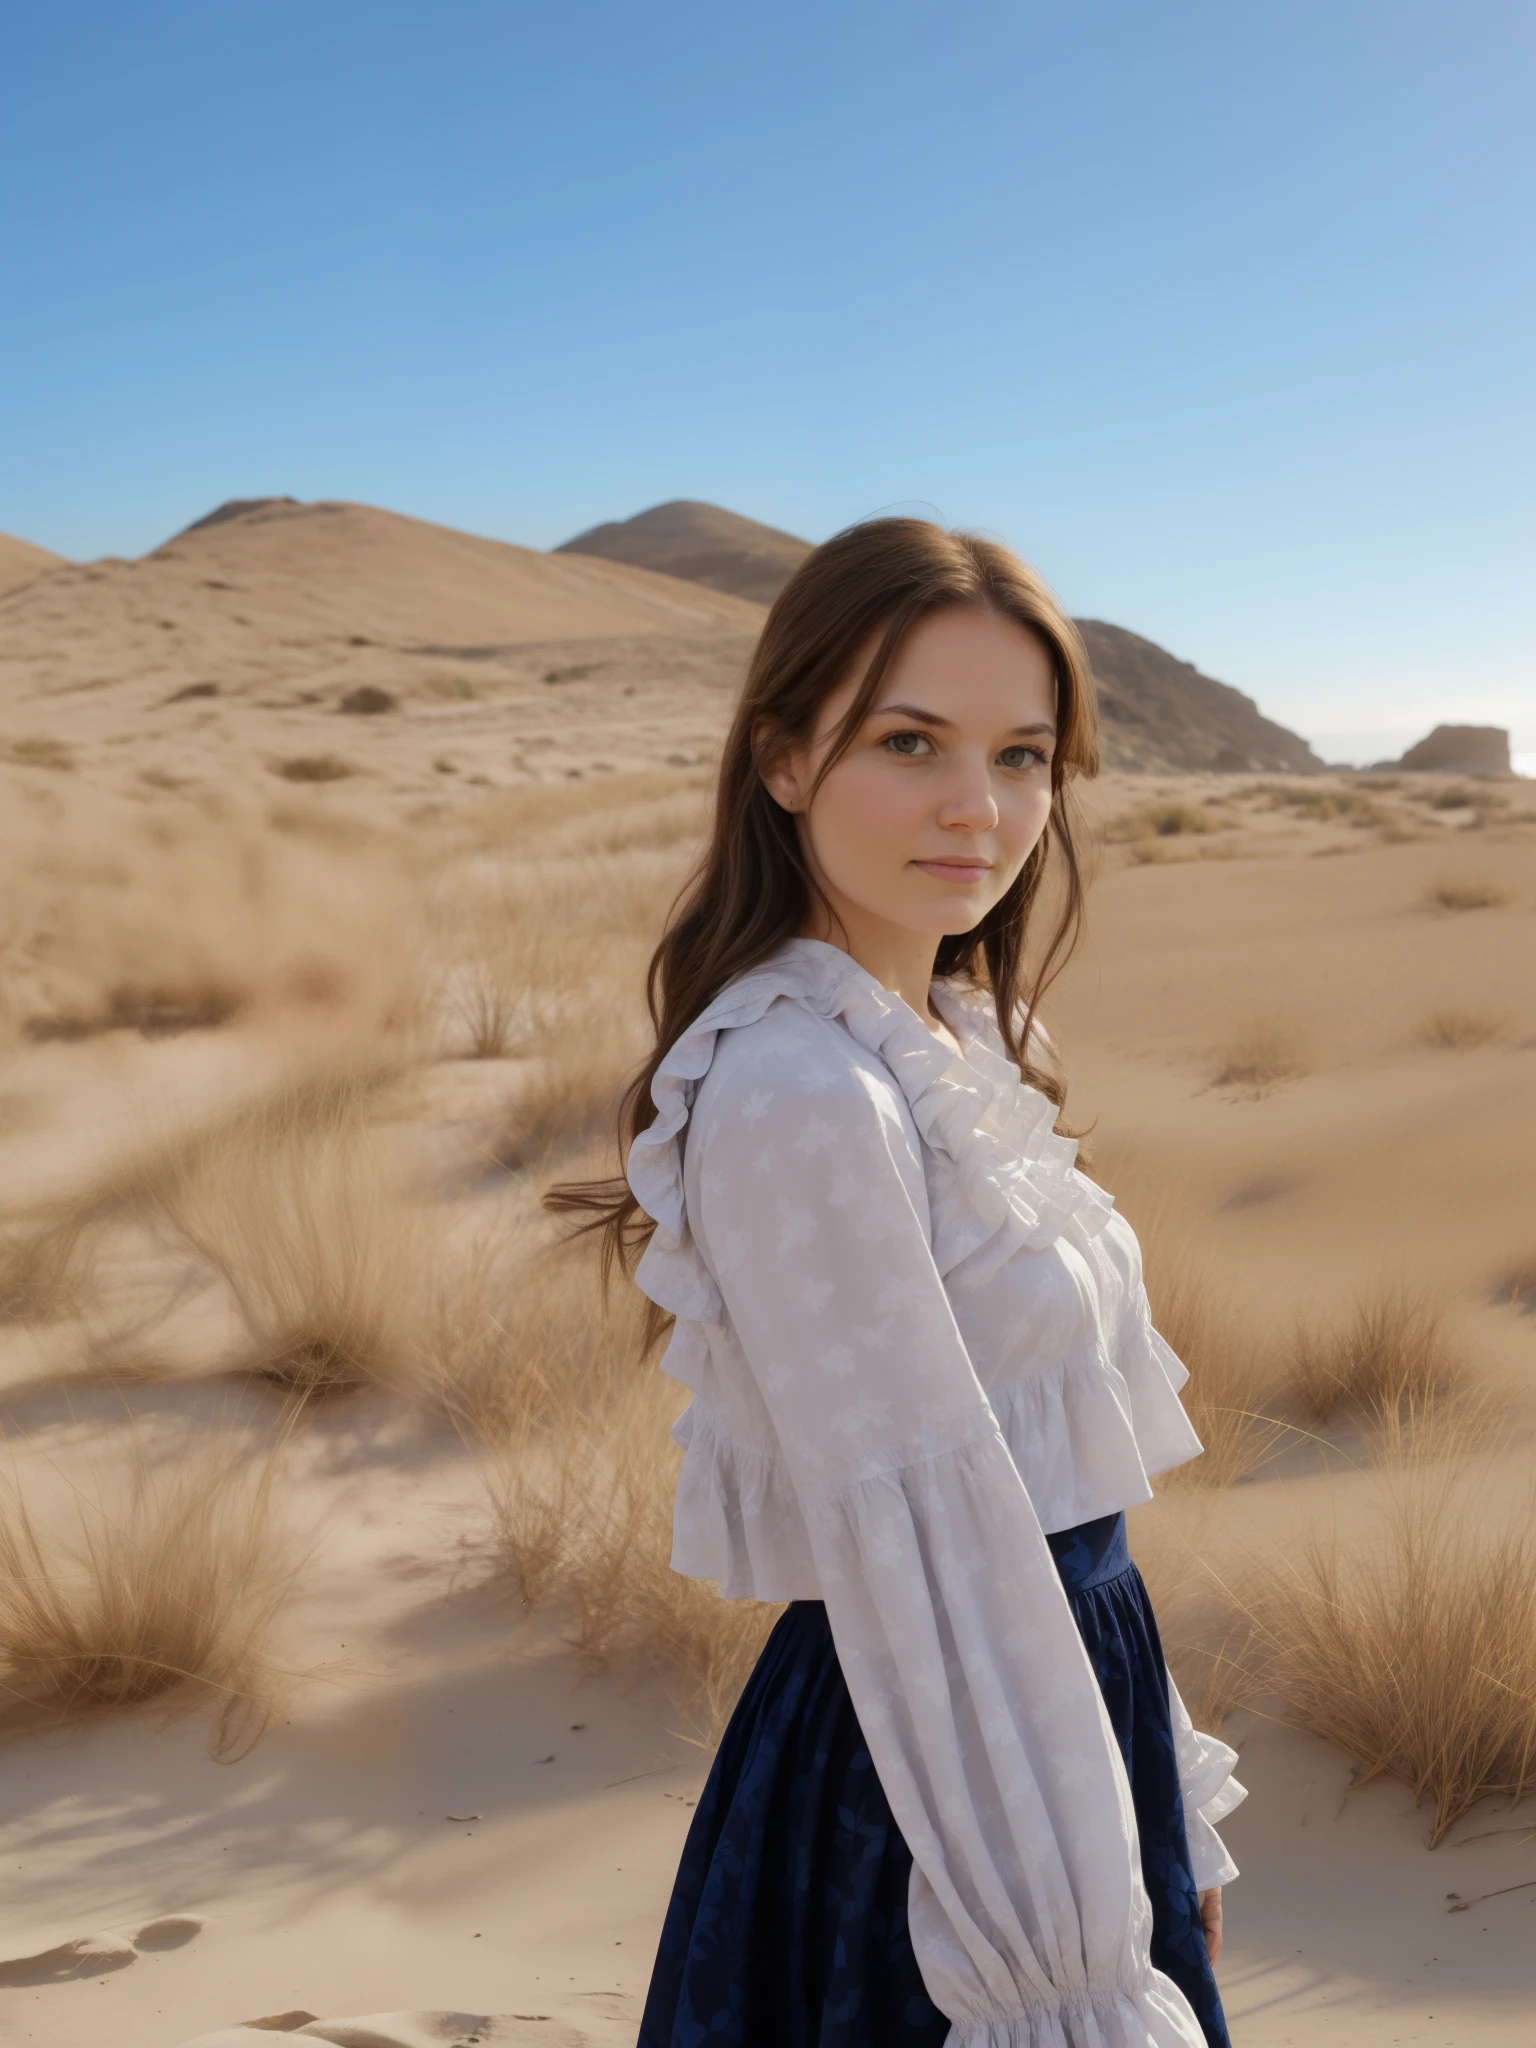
955	870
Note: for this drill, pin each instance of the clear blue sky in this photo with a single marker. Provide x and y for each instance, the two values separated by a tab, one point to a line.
1222	313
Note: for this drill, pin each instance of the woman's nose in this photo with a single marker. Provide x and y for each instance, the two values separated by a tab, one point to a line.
968	802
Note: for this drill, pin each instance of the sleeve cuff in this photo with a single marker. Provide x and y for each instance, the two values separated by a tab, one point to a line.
1210	1794
1210	1863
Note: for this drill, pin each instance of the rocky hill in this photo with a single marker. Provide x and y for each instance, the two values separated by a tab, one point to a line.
1158	712
701	543
1459	749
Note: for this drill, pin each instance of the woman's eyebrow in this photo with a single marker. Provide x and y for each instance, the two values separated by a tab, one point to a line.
920	717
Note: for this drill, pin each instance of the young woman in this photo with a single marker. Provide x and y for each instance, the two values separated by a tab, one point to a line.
960	1801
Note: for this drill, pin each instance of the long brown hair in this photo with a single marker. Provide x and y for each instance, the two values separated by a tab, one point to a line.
752	889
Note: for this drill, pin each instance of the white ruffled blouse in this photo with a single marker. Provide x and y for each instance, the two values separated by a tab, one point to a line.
917	1339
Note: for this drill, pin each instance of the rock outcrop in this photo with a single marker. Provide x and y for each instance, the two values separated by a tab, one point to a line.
1158	712
1460	750
700	543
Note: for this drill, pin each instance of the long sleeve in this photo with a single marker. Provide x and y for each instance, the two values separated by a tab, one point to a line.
807	1202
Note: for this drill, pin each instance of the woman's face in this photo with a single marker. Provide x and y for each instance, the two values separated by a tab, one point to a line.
928	817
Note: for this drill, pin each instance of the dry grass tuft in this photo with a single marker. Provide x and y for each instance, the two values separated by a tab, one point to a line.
546	918
38	750
293	1206
313	768
182	915
40	1267
1232	1382
1390	1358
580	1465
489	1007
296	1205
1516	1286
1258	1056
1325	805
1166	821
1466	894
1461	1030
160	1589
1417	1656
1233	1376
583	1515
1477	798
545	964
153	1011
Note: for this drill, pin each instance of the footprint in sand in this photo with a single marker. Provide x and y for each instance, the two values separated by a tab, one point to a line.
401	2030
94	1955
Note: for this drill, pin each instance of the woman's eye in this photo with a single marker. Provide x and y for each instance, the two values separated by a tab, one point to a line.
1020	757
907	744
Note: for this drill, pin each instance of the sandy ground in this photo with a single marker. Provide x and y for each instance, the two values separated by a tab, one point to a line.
226	656
453	1816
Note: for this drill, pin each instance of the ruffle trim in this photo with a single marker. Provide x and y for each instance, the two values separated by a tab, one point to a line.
1016	1176
1210	1861
1087	1435
1210	1794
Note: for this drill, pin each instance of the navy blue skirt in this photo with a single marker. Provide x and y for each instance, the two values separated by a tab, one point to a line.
787	1926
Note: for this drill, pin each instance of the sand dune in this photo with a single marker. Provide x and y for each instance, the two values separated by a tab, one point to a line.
235	590
21	562
241	645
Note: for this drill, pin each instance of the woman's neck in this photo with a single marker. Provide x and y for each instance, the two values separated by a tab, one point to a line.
899	959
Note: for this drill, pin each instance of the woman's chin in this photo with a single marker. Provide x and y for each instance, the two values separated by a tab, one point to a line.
954	915
945	920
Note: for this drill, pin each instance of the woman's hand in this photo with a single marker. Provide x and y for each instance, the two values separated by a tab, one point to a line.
1210	1920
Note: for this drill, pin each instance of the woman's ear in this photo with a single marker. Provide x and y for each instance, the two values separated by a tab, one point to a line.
780	772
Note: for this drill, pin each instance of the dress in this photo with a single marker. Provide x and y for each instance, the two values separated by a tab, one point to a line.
918	1344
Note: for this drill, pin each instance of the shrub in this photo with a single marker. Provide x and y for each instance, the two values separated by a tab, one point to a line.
1165	821
1517	1286
295	1204
1388	1357
545	1374
1416	1655
1259	1055
1461	1030
37	750
1233	1375
1324	805
313	768
158	1587
1466	894
185	915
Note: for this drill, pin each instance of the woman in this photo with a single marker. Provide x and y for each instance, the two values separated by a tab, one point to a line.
960	1800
